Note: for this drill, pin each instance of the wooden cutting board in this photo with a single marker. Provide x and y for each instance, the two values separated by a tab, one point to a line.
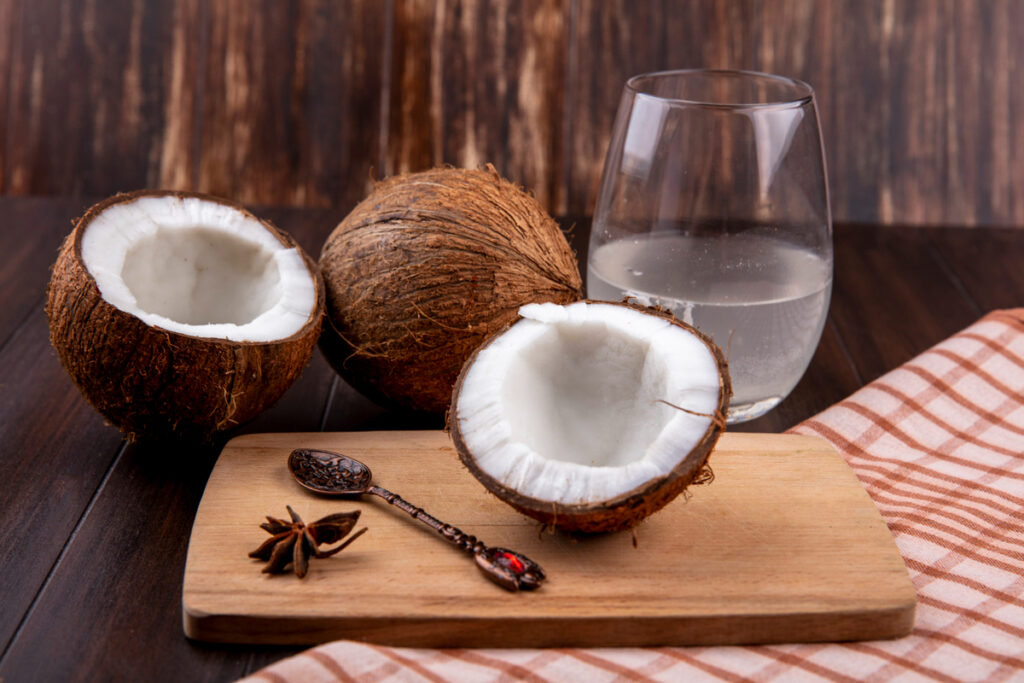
783	546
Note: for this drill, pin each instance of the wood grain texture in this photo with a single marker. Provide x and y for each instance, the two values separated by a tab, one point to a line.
10	20
987	270
29	411
609	42
290	100
25	266
918	119
90	96
56	451
480	81
899	286
806	559
178	154
301	102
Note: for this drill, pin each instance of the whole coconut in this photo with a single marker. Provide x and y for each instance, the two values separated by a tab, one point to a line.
425	269
181	315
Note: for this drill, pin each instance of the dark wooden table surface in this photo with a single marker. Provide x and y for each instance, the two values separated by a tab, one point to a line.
93	531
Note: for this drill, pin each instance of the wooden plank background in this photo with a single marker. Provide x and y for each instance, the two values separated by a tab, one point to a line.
303	102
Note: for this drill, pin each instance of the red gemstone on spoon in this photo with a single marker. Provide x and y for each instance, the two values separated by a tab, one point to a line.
512	562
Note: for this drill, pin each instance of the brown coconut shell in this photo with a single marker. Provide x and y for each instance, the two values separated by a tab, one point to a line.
632	507
154	383
425	269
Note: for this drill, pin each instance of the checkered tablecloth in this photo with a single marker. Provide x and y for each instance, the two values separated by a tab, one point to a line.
939	445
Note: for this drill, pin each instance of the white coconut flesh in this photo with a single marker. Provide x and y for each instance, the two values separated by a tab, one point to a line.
199	268
570	404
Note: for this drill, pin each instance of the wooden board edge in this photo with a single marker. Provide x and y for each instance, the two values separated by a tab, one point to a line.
882	624
727	441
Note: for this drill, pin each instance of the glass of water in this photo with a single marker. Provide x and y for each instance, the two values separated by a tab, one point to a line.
714	205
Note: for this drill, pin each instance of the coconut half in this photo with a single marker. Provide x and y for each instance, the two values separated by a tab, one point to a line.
590	416
180	313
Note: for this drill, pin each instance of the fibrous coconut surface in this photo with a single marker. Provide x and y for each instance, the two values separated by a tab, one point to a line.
425	269
181	315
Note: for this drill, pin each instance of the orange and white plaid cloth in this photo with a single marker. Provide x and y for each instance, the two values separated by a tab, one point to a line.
939	445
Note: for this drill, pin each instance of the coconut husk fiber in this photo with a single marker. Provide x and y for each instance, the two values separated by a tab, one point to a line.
153	383
427	267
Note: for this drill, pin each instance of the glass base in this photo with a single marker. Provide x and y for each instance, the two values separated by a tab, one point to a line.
744	412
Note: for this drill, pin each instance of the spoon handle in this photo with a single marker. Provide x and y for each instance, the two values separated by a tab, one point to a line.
452	534
507	568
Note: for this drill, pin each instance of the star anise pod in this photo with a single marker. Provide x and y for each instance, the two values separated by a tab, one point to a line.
293	543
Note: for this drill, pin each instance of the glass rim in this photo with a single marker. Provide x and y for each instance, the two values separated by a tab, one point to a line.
798	100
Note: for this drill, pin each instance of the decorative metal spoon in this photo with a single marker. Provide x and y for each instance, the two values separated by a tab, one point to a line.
334	474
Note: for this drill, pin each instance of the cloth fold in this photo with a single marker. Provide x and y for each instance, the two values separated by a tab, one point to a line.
939	445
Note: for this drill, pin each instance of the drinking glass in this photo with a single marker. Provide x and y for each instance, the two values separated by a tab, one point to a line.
714	205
